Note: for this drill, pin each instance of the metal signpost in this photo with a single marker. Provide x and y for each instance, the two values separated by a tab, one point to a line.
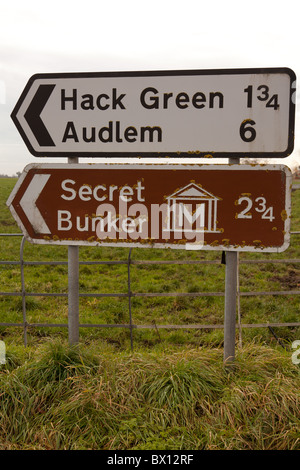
73	286
230	113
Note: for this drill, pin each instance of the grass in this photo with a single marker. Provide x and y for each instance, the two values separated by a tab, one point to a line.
172	392
70	399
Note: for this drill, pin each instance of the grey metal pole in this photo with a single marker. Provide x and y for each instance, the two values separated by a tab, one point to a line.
230	300
23	290
73	287
230	306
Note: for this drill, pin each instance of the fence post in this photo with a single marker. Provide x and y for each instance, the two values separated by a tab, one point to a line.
129	297
230	306
230	299
23	290
73	287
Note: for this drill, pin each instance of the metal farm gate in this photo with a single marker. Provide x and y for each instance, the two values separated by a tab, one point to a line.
130	262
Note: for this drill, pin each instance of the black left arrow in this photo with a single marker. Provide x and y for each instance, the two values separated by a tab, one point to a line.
33	118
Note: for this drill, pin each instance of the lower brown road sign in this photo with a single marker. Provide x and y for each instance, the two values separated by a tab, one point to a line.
210	207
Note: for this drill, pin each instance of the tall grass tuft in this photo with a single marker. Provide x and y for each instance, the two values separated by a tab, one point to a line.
92	398
59	362
182	385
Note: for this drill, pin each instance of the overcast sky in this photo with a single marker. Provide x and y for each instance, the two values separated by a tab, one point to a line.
121	35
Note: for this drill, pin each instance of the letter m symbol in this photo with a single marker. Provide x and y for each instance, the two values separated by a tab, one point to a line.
188	216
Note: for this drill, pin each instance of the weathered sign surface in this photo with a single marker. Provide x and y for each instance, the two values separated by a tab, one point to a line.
199	113
210	207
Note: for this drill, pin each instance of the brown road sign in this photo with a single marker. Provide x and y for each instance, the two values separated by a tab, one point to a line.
210	207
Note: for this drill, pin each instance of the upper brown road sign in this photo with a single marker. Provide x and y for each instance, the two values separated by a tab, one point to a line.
210	207
198	113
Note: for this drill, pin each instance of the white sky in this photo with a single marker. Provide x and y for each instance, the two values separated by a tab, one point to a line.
117	35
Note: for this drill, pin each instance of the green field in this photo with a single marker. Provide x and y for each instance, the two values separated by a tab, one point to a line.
172	391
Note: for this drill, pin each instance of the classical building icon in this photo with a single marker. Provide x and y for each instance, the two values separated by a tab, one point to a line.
193	208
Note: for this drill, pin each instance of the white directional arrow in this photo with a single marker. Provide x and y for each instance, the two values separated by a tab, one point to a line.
28	203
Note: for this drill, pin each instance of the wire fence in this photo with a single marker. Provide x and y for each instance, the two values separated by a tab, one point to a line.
129	262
